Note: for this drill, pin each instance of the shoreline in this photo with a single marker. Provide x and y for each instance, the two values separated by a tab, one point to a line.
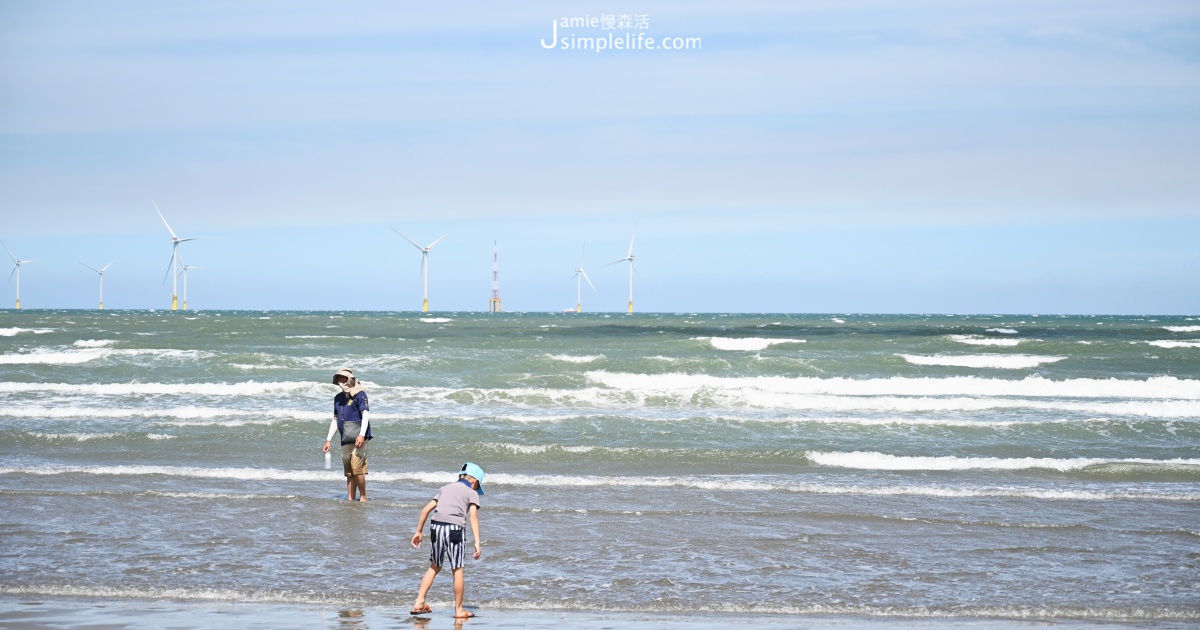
28	612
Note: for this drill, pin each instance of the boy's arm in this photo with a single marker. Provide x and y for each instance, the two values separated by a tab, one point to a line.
418	537
473	512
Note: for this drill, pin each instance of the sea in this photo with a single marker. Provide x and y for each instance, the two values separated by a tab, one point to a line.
744	469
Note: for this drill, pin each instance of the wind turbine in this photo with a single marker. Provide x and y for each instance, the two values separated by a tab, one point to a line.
628	257
424	266
580	276
101	272
16	270
184	271
174	267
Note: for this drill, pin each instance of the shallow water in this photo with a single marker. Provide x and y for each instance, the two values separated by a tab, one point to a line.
1009	467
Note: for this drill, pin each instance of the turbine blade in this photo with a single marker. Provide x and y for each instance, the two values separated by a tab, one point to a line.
585	277
630	254
10	275
639	274
414	243
96	270
616	261
438	241
105	267
168	272
10	254
164	220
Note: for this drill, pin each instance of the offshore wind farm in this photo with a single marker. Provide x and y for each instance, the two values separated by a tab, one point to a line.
177	269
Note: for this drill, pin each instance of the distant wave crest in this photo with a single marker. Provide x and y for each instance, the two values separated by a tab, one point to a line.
994	361
745	343
976	340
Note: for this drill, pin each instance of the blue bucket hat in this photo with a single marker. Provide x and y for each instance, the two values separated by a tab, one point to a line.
475	471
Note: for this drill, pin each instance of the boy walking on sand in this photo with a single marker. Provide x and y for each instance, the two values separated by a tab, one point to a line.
451	507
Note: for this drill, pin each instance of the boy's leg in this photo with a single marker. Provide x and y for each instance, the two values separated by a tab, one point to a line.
426	583
458	591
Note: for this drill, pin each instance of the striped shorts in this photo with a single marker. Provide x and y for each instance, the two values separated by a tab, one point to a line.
446	545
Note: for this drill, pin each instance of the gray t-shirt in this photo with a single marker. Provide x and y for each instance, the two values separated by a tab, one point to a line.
453	500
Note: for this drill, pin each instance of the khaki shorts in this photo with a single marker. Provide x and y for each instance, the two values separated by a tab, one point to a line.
354	460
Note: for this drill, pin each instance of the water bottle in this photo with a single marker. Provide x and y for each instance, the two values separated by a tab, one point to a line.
328	464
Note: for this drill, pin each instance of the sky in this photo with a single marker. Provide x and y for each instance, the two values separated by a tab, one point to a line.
884	156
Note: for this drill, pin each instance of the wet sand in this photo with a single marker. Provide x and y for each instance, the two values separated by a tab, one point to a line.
28	613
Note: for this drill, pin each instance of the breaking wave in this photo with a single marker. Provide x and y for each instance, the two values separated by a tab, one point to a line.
994	361
745	343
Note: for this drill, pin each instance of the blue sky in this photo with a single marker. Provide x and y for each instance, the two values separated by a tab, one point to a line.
810	157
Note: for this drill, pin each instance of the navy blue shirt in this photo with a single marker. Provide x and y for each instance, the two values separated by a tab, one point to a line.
349	415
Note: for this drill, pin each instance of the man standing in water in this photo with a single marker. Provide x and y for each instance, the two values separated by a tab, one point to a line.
350	420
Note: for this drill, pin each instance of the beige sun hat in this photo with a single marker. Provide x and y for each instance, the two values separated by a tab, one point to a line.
348	373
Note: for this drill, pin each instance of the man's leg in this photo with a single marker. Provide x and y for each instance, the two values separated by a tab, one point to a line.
350	483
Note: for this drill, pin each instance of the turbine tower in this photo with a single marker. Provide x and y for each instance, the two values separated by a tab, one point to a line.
101	271
173	269
580	276
628	257
184	271
424	267
16	270
494	303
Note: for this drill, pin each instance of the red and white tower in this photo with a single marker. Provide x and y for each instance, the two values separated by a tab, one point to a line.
494	303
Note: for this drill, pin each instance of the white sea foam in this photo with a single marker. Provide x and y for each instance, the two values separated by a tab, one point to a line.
325	336
1002	331
436	320
213	495
745	343
539	449
49	357
94	343
838	320
247	388
74	437
161	436
266	416
976	340
1164	387
576	359
721	483
959	615
1190	343
1164	397
882	461
993	361
10	332
177	594
1182	328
